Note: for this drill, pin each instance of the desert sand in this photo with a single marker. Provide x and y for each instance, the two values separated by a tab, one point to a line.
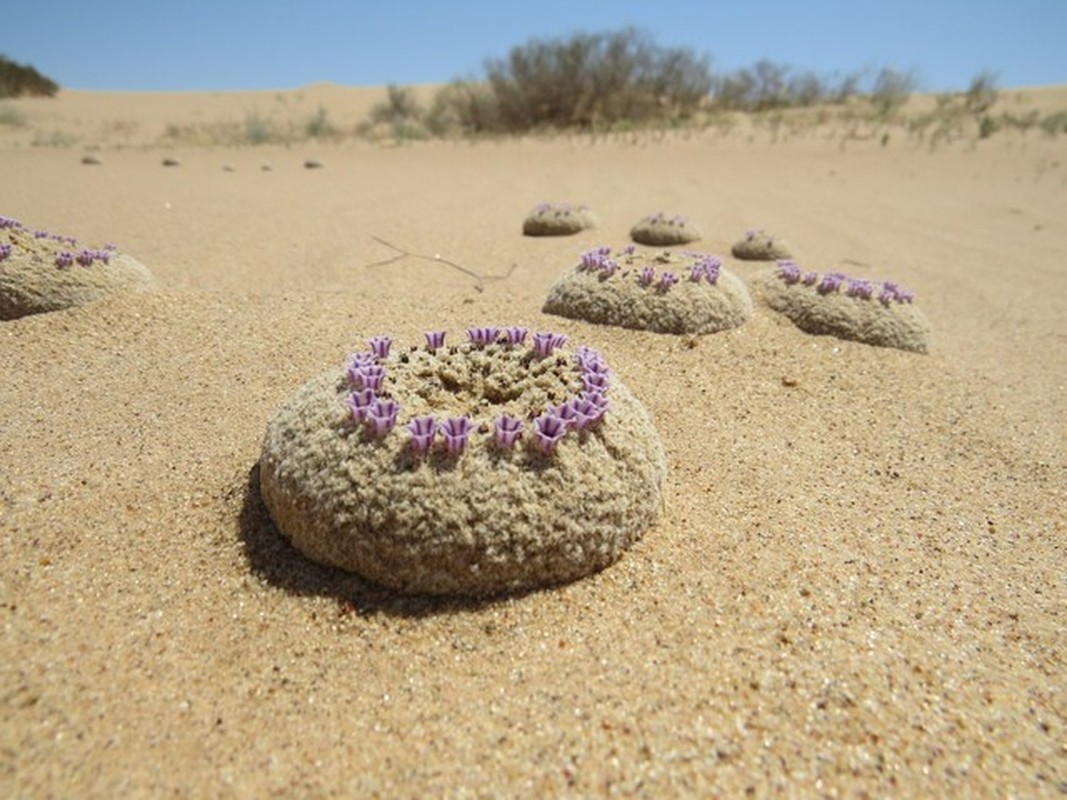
856	586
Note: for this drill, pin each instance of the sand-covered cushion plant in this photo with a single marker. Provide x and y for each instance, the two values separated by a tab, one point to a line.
877	313
558	219
758	245
661	291
41	271
504	462
664	230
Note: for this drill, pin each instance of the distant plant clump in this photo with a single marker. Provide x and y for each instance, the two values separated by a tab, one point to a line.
17	80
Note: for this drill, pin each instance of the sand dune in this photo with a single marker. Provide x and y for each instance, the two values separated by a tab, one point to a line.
857	582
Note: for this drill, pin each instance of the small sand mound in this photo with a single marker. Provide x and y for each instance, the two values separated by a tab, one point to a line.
760	246
881	314
472	469
663	291
558	219
42	271
662	230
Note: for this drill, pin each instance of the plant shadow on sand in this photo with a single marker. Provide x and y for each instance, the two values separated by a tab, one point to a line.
274	560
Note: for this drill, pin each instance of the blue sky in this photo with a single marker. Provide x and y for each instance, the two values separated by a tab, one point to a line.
266	44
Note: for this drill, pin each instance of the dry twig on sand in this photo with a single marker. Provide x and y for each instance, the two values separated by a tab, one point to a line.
480	280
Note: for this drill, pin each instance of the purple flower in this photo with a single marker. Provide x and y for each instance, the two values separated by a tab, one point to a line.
597	404
830	282
359	402
548	430
589	360
434	339
85	258
859	287
629	250
379	345
750	234
647	276
697	272
595	258
38	234
456	431
483	336
891	292
666	281
367	376
809	278
422	430
608	268
5	251
789	271
712	265
545	343
8	222
588	412
516	335
102	255
508	430
567	412
596	382
381	417
64	258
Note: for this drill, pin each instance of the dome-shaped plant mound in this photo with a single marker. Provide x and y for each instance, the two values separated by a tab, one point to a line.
877	313
663	230
760	246
472	469
665	292
42	271
558	219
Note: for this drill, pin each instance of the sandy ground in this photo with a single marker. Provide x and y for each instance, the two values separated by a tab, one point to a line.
857	586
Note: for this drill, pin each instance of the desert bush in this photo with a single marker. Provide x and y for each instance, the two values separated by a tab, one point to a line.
318	126
891	89
981	93
1054	124
587	81
21	79
12	117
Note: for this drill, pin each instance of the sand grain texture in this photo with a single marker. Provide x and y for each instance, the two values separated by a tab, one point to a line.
855	586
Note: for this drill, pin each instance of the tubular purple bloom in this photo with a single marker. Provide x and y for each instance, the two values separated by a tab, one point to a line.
666	281
456	431
516	335
587	412
39	234
434	339
629	250
422	430
567	412
381	417
379	345
102	255
508	430
8	222
648	274
64	258
750	234
788	271
697	272
545	343
595	258
483	336
548	430
608	268
5	251
809	278
85	258
598	401
359	402
371	376
596	382
830	282
589	360
859	287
